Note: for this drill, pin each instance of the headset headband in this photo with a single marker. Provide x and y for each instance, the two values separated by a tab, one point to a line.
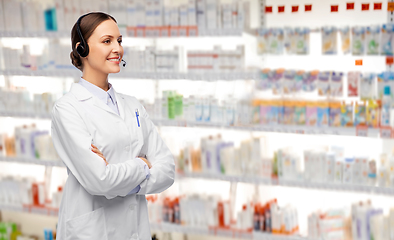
83	47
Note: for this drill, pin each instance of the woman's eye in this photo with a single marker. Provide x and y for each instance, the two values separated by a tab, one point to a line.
106	41
120	41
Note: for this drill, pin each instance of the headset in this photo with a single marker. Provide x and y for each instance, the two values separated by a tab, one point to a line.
83	47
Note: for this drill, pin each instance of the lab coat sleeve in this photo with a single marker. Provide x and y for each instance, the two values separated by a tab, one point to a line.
72	141
162	172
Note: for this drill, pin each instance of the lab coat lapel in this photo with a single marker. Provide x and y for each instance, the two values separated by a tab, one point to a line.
121	104
102	105
81	93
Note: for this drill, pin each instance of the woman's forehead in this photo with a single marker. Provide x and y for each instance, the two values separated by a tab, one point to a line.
107	28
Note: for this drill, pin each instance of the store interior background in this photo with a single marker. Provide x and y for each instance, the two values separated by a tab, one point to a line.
304	200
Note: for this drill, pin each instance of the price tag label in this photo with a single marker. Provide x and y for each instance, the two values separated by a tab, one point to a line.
386	132
192	31
362	131
140	32
182	32
299	131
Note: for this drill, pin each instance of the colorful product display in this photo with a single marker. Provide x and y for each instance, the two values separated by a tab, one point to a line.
357	40
28	142
276	40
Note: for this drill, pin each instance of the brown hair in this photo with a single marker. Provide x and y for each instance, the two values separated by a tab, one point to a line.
88	24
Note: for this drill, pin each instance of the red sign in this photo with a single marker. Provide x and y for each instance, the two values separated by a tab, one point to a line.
350	6
268	9
377	6
359	62
389	60
308	8
365	7
281	9
334	8
294	8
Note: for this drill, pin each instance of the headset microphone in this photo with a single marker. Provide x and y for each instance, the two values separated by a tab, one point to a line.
124	63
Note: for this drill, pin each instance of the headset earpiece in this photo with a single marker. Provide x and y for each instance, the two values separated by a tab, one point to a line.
83	47
81	50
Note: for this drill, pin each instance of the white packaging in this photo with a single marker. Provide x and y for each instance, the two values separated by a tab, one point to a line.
206	109
348	170
149	13
330	167
167	16
68	15
158	12
13	16
201	14
338	170
357	170
382	176
199	109
140	8
118	8
76	11
226	16
29	17
183	15
364	171
191	13
174	17
211	13
2	15
240	15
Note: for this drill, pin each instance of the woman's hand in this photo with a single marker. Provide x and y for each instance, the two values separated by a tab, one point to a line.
146	161
96	151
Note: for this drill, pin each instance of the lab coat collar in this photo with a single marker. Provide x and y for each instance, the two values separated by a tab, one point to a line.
82	94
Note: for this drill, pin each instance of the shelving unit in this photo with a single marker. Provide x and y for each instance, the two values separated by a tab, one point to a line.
66	34
293	129
272	61
241	179
168	227
208	76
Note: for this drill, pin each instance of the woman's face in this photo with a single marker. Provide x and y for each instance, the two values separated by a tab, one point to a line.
105	48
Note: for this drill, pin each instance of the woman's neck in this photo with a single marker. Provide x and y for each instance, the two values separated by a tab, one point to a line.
96	78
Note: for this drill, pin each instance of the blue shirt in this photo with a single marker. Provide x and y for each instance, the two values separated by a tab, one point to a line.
110	100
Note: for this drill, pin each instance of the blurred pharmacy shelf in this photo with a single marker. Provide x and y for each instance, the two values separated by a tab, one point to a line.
293	129
219	232
49	163
65	34
308	130
167	227
206	76
24	115
343	187
244	179
49	211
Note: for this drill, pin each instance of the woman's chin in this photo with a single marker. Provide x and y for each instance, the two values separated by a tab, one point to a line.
114	70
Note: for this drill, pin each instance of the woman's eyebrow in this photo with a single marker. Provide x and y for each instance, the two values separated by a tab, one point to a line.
110	36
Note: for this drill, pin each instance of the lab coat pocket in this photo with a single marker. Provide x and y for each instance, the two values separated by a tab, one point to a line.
88	226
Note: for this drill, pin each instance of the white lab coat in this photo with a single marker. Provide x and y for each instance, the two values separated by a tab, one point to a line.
95	204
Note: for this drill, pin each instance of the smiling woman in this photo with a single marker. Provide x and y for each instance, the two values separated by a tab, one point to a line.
113	152
97	46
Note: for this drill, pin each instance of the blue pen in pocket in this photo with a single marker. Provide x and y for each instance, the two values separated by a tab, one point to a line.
137	114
